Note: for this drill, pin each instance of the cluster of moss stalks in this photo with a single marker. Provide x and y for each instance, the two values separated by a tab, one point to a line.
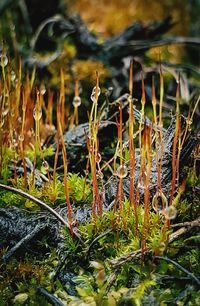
129	255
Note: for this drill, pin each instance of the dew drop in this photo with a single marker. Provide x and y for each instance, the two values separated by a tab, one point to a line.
15	143
189	122
21	137
135	135
12	76
100	175
12	113
5	111
94	91
170	212
76	101
91	148
122	171
140	185
93	97
42	90
37	113
98	159
19	119
159	201
129	99
45	165
3	60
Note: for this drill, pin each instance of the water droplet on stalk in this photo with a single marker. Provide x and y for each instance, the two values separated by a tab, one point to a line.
45	165
169	212
189	122
134	135
21	137
42	90
19	119
159	201
15	143
94	91
98	159
37	113
76	101
100	175
5	111
122	171
3	60
93	97
140	185
12	76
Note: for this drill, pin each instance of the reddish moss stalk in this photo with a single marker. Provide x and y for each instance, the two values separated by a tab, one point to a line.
18	90
55	163
97	205
121	196
88	162
64	153
148	160
76	94
160	122
175	160
62	98
143	102
132	149
49	112
189	121
21	140
93	154
146	172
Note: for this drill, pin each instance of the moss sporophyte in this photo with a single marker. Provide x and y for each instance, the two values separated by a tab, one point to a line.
120	206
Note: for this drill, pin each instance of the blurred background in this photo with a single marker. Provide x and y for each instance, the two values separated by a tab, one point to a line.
110	17
83	36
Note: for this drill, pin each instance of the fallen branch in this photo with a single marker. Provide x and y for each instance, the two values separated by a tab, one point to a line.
187	226
189	223
127	257
41	204
115	263
52	299
174	278
191	275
